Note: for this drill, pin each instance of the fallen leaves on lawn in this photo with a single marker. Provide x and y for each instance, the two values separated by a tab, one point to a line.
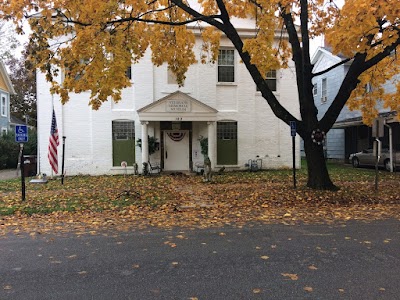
89	204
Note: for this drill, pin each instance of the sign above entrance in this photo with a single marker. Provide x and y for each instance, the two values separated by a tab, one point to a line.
178	106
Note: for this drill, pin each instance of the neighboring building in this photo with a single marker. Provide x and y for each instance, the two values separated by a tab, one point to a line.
349	134
6	89
325	89
218	101
14	121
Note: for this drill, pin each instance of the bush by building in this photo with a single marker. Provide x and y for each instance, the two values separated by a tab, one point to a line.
9	149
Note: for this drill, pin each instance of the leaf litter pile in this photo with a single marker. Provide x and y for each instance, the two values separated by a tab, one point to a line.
89	204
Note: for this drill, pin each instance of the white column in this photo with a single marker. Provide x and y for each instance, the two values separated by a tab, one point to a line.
212	145
145	142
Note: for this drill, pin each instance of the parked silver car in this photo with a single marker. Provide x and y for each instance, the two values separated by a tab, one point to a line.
367	158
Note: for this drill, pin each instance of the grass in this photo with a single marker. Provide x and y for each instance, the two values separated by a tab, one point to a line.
110	193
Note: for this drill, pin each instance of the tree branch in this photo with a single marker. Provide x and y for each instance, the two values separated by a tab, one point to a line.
332	67
208	19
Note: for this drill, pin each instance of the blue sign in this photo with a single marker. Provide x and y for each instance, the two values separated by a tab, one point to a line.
293	128
21	133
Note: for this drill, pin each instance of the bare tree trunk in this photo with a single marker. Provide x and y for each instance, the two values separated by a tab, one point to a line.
318	176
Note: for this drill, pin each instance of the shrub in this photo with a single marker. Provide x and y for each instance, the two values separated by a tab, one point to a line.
9	149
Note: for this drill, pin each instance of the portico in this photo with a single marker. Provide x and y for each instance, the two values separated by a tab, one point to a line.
177	121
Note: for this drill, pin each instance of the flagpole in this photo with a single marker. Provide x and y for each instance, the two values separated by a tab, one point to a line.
63	159
52	111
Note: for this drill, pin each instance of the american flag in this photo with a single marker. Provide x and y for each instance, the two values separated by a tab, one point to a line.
53	143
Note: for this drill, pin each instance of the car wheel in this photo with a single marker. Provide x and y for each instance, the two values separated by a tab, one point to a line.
355	162
387	165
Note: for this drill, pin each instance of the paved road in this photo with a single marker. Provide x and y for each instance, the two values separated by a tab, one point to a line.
356	261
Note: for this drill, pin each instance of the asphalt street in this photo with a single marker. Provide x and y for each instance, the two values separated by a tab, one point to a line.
356	260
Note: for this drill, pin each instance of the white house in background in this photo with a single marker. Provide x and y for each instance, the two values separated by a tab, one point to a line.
349	134
326	87
218	101
6	89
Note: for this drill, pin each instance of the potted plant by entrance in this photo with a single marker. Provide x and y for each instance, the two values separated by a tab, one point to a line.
153	146
204	146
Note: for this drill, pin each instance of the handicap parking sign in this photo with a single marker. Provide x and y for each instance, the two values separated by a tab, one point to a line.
21	133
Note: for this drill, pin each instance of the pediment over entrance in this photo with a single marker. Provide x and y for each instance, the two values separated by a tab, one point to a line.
177	106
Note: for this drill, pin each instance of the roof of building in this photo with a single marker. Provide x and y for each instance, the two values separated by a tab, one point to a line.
6	77
390	117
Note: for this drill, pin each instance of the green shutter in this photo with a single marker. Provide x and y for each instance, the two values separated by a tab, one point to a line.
123	150
227	153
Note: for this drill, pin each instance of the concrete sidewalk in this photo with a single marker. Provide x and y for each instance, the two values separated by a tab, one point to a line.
9	174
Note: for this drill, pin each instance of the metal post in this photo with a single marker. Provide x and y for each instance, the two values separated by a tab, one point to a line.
63	159
294	160
22	167
390	146
377	149
293	129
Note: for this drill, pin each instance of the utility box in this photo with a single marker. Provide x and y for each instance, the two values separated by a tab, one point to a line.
30	165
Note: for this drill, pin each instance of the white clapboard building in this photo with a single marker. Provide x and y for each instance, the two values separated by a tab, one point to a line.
218	101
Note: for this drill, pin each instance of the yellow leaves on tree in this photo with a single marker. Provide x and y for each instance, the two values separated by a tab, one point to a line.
371	93
210	47
266	50
173	45
88	44
370	28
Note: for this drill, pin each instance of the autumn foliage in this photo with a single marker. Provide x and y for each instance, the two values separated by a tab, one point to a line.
89	204
92	42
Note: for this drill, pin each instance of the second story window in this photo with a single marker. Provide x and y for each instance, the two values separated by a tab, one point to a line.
315	89
171	77
271	81
226	65
324	90
368	88
128	72
4	105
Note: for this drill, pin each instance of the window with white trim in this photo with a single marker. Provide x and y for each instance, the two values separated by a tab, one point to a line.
171	77
271	80
368	88
315	89
3	105
128	72
324	90
226	65
123	130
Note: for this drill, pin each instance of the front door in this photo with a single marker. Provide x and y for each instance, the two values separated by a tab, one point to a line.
176	150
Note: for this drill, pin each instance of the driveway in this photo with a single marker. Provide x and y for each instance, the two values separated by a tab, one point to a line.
9	174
